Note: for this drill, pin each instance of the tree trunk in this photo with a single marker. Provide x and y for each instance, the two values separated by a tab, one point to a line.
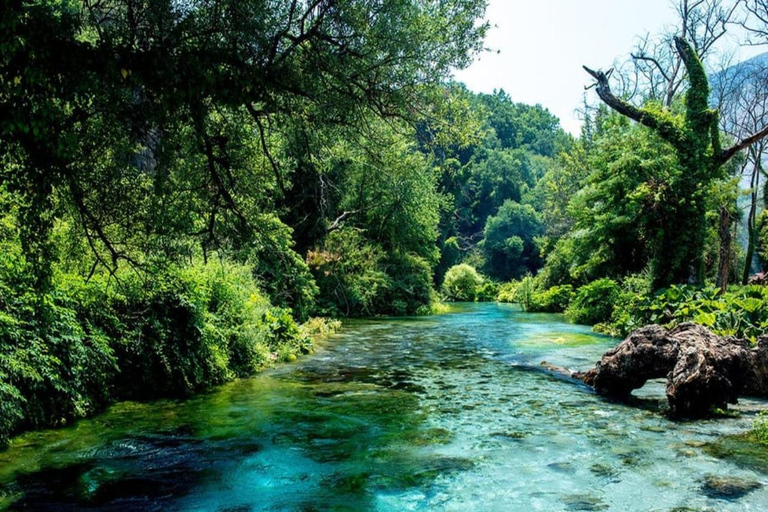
724	264
752	218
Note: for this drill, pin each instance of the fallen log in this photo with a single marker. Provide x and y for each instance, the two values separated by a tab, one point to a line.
703	371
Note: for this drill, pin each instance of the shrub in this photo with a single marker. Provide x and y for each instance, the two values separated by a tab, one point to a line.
83	345
508	292
762	237
488	291
508	241
409	286
635	293
348	271
593	303
318	327
532	299
462	283
759	432
742	312
553	300
283	275
356	278
524	293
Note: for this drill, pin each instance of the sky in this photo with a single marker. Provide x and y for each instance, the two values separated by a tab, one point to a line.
539	47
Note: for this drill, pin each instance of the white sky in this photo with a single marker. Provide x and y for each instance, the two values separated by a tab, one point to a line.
542	45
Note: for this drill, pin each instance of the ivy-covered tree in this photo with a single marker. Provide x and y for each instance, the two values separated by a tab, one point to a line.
694	134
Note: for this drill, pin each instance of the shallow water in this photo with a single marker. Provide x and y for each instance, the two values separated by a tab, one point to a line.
451	412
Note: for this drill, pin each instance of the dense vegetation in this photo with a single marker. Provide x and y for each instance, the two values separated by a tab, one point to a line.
184	184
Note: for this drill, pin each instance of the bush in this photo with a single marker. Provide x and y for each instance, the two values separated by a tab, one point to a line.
508	292
83	345
532	299
593	303
759	432
635	293
462	283
524	293
508	241
283	275
348	271
409	287
193	327
318	327
488	291
742	312
356	278
553	300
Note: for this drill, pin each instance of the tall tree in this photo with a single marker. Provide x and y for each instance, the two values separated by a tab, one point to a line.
695	136
741	92
110	107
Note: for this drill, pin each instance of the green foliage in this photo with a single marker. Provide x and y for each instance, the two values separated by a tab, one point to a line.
318	327
524	292
552	300
741	312
509	246
762	237
488	292
348	272
283	273
462	283
283	335
409	290
759	431
533	297
507	292
634	293
515	147
357	278
450	255
593	302
91	343
620	196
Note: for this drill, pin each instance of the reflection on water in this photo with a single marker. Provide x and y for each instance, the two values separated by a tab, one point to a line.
443	413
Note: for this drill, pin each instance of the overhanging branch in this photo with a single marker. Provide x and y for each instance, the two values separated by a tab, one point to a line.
727	154
650	119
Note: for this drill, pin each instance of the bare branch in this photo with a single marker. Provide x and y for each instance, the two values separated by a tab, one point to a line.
650	119
727	154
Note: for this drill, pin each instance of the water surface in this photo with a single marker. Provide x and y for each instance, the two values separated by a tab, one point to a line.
451	412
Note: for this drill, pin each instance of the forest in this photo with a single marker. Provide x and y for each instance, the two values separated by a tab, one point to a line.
193	191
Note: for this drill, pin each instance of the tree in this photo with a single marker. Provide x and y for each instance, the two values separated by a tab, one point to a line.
180	104
694	134
462	283
656	71
509	241
741	91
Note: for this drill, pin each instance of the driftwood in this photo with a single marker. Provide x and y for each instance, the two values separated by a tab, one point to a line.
703	371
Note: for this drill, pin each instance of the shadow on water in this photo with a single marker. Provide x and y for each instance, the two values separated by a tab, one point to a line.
450	412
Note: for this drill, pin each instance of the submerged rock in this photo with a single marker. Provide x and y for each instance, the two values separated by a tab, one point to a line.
728	488
703	371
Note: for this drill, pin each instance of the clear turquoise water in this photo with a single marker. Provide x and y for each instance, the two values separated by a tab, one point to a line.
450	412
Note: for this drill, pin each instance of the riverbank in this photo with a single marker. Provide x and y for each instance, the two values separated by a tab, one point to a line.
448	412
91	343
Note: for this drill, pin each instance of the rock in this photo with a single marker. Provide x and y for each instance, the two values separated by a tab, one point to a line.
728	488
703	371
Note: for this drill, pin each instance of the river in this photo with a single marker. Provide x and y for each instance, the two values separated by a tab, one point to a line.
450	412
